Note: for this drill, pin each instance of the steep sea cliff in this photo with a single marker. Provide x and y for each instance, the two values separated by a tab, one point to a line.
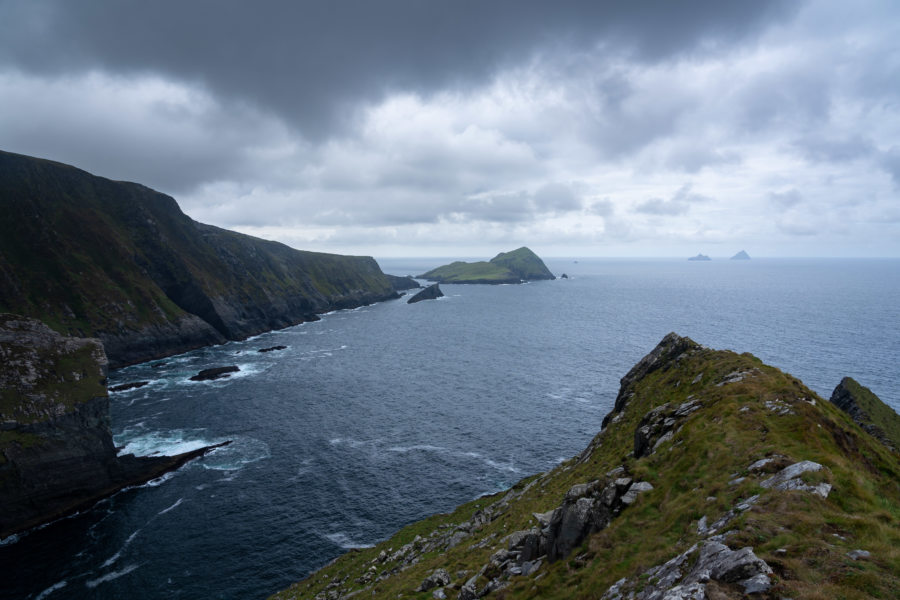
118	261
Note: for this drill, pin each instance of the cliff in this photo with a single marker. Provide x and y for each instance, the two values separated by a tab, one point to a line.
507	267
56	450
868	411
714	477
118	261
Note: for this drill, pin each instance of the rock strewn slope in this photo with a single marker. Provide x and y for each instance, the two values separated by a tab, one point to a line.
715	477
56	450
118	261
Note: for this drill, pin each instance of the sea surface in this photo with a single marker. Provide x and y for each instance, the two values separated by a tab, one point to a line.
376	417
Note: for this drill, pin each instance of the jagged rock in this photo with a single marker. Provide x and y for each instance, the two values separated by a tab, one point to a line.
403	283
215	373
432	292
858	401
563	276
631	495
789	479
439	578
273	348
715	561
671	347
658	426
128	386
857	554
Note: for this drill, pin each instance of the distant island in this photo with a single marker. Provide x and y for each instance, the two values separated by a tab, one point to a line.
700	257
516	266
742	255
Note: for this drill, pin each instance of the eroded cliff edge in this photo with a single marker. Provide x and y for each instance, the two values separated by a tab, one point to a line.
56	450
118	261
715	477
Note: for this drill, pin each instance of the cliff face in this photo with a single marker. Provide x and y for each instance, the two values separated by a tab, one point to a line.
118	261
715	477
56	449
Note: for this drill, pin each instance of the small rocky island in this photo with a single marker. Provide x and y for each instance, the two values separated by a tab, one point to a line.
742	255
517	266
700	257
56	449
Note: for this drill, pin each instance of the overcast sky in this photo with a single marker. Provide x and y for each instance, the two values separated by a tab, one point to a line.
460	129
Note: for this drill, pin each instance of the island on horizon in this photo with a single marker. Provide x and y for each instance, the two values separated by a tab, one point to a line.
517	266
742	255
700	256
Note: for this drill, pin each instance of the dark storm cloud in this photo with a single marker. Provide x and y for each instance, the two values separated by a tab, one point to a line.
314	62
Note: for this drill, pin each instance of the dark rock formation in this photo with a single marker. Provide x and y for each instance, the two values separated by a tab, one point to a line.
403	283
56	449
868	411
215	373
563	276
700	257
272	349
121	262
432	292
128	386
741	256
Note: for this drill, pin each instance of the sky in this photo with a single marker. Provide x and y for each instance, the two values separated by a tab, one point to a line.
461	129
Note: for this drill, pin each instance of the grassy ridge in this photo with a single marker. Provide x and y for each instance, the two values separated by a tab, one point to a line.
701	472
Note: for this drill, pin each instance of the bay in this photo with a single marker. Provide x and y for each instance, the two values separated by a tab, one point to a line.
376	417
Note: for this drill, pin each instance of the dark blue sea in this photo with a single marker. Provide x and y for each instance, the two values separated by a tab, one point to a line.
376	417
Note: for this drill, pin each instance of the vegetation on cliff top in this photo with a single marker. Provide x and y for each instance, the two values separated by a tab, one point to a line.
507	267
702	471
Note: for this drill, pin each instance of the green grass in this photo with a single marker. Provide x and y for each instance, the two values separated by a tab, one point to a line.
506	267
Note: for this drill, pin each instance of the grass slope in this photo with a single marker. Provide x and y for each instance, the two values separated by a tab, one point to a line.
701	472
875	411
507	267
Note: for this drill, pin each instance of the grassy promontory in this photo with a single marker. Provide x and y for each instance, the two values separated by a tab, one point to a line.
507	267
715	476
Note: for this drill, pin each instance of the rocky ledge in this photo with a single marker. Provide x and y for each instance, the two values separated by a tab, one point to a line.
432	292
56	450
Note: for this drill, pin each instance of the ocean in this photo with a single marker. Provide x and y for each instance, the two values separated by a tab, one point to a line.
376	417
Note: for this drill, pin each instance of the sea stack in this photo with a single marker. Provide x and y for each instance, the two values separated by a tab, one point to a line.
742	255
432	292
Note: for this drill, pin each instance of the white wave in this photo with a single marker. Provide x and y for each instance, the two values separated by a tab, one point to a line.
92	583
56	586
501	466
161	443
165	510
423	447
159	480
343	540
12	539
241	451
112	559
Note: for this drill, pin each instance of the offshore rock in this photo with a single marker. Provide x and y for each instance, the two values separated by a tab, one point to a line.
272	349
432	292
56	450
215	373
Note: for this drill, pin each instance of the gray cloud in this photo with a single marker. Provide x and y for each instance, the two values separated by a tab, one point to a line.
313	62
679	204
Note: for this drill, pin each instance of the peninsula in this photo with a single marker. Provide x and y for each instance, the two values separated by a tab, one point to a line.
516	266
714	476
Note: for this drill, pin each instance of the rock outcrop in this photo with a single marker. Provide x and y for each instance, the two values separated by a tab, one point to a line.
215	373
118	261
700	257
432	292
742	255
402	284
868	411
56	450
